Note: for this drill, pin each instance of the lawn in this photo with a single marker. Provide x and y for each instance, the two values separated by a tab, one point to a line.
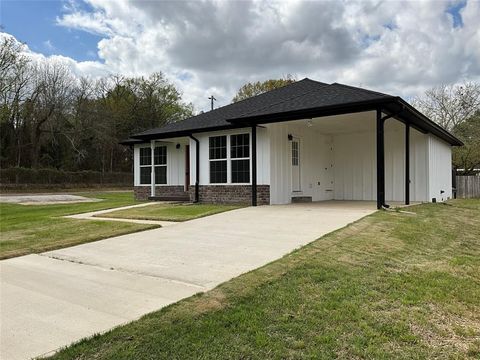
392	285
171	212
29	229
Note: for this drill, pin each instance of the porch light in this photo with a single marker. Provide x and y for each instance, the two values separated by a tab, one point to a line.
290	137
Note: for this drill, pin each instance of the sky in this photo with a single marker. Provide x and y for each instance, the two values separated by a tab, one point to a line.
214	47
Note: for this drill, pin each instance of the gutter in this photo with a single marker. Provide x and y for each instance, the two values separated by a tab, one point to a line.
197	166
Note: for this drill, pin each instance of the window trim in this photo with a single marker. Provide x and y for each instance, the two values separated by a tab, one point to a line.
152	159
229	158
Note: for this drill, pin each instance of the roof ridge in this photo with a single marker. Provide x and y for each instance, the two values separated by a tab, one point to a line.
362	89
251	97
287	99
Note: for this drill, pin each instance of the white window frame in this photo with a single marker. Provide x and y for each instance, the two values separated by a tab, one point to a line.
140	166
229	158
240	158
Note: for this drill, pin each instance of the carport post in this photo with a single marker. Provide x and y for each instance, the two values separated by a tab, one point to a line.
407	163
254	165
380	160
152	172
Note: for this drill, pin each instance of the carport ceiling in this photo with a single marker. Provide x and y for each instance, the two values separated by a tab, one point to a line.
341	124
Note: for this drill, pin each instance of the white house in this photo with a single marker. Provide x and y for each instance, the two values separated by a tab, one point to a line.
307	141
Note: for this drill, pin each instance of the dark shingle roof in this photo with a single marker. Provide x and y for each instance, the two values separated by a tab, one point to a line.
302	97
219	117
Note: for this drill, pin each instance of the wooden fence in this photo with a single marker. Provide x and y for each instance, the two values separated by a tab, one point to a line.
468	187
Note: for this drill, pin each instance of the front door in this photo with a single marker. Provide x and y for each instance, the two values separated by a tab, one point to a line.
295	154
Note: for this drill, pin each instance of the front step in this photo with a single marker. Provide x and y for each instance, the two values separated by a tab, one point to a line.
170	198
301	199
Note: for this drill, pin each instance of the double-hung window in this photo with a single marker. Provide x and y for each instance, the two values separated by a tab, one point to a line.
218	159
229	159
240	158
160	162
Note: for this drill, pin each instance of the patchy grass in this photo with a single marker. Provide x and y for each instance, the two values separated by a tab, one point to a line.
29	229
391	285
171	212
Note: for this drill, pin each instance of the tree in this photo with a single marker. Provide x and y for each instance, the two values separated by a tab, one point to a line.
467	157
449	105
51	118
457	109
257	88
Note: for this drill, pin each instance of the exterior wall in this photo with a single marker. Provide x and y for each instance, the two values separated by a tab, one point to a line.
355	165
175	162
231	194
143	192
340	166
439	169
263	149
315	163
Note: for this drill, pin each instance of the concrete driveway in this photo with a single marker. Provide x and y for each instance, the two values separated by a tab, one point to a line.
52	299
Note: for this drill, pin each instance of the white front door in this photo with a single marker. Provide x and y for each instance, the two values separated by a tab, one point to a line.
295	154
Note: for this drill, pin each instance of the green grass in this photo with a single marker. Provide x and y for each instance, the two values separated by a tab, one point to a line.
29	229
391	285
171	212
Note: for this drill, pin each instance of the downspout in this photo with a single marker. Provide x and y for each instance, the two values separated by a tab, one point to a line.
197	167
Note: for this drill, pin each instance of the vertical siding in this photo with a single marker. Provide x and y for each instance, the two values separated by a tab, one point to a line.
175	162
315	163
439	169
354	166
418	166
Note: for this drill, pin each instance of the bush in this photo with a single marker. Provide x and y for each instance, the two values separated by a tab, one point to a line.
26	176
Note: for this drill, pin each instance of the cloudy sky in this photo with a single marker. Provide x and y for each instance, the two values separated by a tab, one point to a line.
213	47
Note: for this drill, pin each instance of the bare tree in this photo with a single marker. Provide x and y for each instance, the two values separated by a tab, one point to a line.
49	102
450	105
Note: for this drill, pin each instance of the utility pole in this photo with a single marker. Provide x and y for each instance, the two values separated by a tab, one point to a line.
212	99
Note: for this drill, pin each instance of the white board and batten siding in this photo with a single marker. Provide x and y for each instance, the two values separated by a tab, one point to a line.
439	169
355	164
316	172
175	161
342	166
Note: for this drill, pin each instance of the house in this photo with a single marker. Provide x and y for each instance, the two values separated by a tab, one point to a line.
307	141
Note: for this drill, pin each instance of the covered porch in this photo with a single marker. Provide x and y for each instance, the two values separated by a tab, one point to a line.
362	156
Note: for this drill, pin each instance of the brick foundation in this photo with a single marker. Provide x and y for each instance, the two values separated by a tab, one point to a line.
231	194
143	192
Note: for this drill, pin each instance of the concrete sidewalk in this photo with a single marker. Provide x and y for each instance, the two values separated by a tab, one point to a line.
52	299
94	215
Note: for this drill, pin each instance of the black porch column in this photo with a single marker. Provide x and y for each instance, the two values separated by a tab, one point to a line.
407	163
380	160
254	165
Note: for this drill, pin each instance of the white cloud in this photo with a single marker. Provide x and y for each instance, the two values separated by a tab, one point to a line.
213	47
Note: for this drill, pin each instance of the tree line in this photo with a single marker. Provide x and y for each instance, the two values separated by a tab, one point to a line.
50	118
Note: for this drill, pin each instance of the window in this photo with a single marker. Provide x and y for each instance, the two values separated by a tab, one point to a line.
218	159
160	157
145	165
160	162
240	155
229	155
295	153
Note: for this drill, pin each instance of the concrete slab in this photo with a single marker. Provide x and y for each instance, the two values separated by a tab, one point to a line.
45	199
60	296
